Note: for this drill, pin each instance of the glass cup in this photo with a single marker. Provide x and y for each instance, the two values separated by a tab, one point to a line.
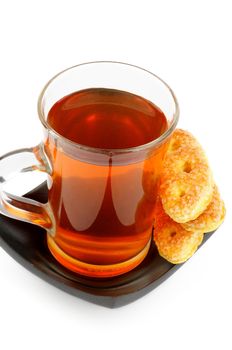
85	234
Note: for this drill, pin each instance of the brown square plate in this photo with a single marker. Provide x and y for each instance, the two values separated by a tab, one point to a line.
27	245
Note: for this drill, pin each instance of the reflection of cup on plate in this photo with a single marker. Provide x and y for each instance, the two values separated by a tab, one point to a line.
106	127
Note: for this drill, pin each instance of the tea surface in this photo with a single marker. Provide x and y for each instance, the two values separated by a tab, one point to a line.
106	118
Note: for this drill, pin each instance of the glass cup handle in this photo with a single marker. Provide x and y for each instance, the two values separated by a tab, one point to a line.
20	208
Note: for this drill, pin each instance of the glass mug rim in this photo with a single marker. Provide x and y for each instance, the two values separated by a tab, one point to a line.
108	151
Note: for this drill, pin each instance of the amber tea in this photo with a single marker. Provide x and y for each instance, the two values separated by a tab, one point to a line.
96	206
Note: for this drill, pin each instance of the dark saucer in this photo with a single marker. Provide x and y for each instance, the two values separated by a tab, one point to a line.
26	244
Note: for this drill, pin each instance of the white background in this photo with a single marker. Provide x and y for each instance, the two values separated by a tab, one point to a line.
188	44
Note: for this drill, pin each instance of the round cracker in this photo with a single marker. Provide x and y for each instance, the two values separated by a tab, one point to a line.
173	242
186	183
